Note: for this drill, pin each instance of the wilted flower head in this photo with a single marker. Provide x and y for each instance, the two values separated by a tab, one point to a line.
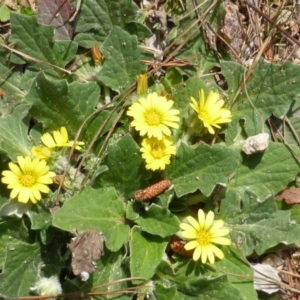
28	179
47	286
142	83
97	54
59	139
157	153
203	234
153	116
210	111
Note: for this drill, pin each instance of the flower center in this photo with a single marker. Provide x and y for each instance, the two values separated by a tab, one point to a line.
203	238
157	152
27	180
204	116
153	118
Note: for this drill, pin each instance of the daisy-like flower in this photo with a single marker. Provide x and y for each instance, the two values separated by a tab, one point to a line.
28	179
153	116
157	153
202	236
210	111
59	139
41	152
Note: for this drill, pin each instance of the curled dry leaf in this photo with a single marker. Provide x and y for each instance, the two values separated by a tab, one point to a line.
290	195
86	248
266	278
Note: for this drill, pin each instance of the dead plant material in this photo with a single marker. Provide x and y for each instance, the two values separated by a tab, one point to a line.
86	248
177	246
289	195
152	191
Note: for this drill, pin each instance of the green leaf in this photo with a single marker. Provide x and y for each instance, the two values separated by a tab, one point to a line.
159	221
110	268
239	273
201	168
257	226
192	283
57	103
20	272
122	60
96	19
146	252
164	293
269	91
36	40
293	209
14	140
265	173
99	209
9	85
126	167
13	231
40	218
4	13
86	68
138	29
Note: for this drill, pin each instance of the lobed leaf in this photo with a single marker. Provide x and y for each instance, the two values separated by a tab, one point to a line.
201	168
257	226
14	139
265	173
269	91
20	268
36	40
97	18
126	171
159	221
122	60
99	209
146	252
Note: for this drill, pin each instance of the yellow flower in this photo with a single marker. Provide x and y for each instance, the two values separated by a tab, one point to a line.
157	153
210	111
153	116
202	236
142	83
28	179
59	139
41	152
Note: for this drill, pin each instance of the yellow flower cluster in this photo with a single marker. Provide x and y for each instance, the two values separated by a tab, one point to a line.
30	177
153	117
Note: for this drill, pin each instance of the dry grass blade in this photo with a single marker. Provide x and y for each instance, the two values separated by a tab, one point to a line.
34	59
130	290
266	17
190	32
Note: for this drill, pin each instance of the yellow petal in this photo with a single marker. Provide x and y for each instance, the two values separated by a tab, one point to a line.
193	222
197	254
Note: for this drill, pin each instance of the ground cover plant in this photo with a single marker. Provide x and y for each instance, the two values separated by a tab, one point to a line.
149	149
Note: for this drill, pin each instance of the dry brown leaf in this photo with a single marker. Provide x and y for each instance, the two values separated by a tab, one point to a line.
290	195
